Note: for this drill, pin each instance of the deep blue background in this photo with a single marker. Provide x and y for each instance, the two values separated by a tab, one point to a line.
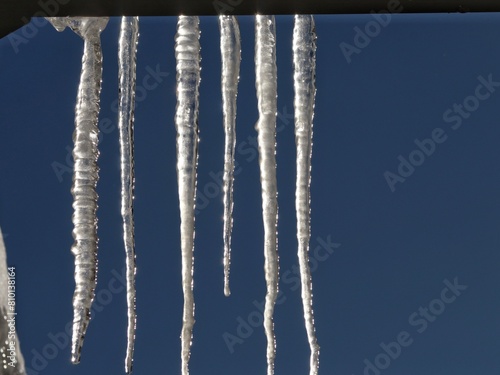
396	248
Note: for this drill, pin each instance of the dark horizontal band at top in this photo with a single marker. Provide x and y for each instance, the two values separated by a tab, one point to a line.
15	13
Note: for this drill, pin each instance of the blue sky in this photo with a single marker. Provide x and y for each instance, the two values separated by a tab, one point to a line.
405	202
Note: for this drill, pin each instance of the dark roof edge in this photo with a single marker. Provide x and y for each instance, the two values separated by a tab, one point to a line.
15	13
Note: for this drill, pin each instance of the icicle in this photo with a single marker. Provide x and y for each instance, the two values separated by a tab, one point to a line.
230	46
266	84
304	61
187	53
9	365
86	172
129	35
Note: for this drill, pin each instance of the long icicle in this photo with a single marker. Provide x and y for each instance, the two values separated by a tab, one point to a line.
266	85
304	61
187	54
127	48
230	46
11	361
86	172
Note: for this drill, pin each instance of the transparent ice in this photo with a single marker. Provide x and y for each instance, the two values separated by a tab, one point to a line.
127	49
188	61
266	85
187	54
304	61
86	172
230	46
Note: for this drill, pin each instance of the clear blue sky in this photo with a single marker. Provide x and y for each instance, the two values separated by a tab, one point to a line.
417	78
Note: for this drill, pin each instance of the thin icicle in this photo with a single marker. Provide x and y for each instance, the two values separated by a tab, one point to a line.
187	54
266	84
11	361
86	172
230	47
129	36
304	61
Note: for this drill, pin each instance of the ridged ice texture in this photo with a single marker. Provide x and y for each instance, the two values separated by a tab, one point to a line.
304	61
127	48
230	47
187	54
5	352
266	85
86	172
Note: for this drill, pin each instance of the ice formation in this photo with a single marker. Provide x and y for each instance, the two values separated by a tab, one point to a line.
188	61
304	61
187	54
86	172
266	85
230	46
127	48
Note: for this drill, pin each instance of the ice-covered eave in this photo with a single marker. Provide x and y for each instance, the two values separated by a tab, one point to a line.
15	13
